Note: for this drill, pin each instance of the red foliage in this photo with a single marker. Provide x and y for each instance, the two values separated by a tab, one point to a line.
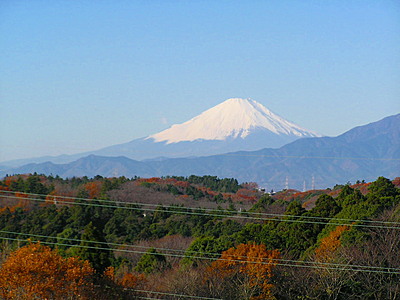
93	188
153	180
286	195
363	187
10	179
4	188
170	180
183	184
245	194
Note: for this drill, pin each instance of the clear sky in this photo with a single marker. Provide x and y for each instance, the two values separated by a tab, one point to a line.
81	75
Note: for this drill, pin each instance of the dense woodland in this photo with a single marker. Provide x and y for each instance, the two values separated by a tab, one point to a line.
196	237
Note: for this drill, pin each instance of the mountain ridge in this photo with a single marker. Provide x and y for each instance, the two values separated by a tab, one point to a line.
364	152
233	125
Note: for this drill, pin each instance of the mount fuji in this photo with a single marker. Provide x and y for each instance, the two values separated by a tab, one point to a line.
233	125
234	118
365	152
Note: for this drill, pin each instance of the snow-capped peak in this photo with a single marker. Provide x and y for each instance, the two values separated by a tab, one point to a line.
233	118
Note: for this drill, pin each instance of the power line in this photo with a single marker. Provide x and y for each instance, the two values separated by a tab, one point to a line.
228	212
316	266
175	250
290	263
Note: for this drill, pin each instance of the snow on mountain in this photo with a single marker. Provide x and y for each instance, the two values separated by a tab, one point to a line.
234	118
234	125
364	152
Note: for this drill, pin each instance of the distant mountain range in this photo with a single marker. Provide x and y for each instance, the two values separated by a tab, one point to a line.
362	153
234	125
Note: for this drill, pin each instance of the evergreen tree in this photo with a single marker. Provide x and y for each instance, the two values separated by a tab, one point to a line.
150	262
93	248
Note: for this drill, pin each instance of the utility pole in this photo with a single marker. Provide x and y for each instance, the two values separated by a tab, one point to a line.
287	183
313	183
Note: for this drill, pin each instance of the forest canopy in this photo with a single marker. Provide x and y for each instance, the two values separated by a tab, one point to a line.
199	236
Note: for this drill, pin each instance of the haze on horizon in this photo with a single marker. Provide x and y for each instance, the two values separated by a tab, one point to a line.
79	76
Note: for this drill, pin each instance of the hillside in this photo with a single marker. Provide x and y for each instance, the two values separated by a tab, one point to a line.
180	236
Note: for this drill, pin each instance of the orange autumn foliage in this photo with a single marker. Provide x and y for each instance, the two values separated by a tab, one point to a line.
150	180
18	200
130	280
93	189
254	262
58	196
110	273
4	188
9	180
37	272
245	194
329	244
183	184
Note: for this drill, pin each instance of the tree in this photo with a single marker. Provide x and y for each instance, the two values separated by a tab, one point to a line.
383	187
131	281
262	204
380	250
325	206
93	189
296	233
36	271
326	251
33	185
93	248
383	192
244	272
151	261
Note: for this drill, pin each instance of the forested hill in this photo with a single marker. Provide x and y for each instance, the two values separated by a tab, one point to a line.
196	236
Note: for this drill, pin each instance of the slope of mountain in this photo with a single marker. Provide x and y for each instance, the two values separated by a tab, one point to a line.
90	166
364	152
234	118
234	125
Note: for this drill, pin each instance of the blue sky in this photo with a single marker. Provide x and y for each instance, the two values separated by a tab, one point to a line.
81	75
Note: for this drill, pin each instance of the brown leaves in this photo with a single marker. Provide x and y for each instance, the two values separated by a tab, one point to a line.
130	280
93	188
251	265
329	244
36	271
